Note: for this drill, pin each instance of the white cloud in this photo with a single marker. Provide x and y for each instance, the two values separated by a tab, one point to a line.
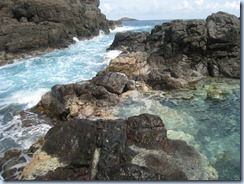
211	6
199	3
186	5
167	9
232	5
106	8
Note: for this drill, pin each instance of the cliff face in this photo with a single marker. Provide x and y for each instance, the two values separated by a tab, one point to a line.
32	26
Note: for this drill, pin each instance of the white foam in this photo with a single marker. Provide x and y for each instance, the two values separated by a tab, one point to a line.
23	83
122	29
6	85
29	98
129	28
108	56
24	136
76	39
101	33
112	54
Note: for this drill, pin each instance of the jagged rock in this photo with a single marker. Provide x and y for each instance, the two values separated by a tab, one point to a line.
131	64
114	24
114	82
180	53
223	30
132	149
72	100
31	27
130	41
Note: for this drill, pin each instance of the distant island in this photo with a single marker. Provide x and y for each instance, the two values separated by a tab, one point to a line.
127	19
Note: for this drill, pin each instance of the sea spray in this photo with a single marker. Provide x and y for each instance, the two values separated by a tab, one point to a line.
24	82
76	39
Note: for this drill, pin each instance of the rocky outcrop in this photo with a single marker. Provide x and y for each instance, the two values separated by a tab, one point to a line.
35	26
114	24
132	149
91	98
180	53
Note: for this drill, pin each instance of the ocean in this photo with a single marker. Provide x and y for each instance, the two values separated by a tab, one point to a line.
24	82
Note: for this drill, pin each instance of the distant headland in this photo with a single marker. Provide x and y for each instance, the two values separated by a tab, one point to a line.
127	19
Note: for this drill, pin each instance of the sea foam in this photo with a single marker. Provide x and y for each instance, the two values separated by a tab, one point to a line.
24	82
76	39
15	134
112	55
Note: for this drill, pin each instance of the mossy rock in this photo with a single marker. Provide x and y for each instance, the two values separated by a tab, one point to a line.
213	92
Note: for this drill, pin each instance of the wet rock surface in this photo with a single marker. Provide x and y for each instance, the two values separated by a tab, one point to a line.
132	149
180	53
84	99
13	163
32	27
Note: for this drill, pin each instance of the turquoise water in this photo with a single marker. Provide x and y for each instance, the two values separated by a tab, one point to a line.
211	125
24	82
207	117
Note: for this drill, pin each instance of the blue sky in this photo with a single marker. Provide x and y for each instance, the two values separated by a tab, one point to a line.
167	9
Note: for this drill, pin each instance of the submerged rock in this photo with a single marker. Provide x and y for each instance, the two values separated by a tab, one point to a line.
132	149
12	163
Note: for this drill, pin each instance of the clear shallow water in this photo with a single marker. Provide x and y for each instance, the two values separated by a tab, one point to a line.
207	118
213	127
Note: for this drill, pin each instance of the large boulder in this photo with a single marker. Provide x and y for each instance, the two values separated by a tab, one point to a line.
224	45
30	27
112	81
132	149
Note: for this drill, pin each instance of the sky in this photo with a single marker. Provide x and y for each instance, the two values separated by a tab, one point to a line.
167	9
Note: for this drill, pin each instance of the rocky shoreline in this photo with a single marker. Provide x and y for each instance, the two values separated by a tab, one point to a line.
32	27
179	53
88	143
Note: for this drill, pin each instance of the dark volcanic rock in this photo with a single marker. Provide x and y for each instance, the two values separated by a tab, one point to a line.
130	41
114	24
31	27
113	82
182	52
66	101
224	45
133	149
